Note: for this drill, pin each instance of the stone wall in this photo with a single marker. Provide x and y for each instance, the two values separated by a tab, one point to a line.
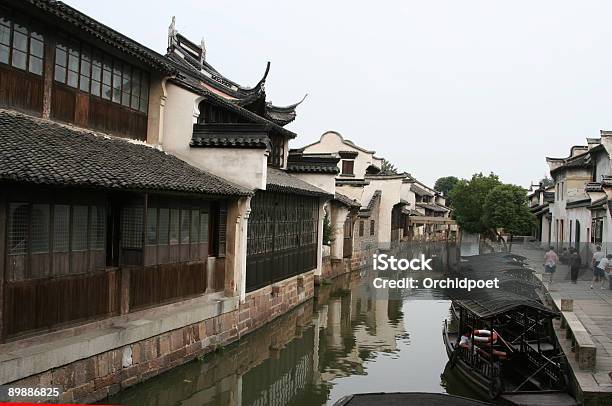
94	378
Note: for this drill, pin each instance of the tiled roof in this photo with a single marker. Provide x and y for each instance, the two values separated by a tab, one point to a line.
599	203
351	182
347	201
281	181
221	101
420	191
43	152
299	162
593	187
230	136
74	18
579	161
578	202
433	207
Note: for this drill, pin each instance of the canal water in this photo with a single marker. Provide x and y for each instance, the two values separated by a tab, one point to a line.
347	340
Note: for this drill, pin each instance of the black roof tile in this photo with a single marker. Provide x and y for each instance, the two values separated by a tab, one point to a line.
281	181
37	151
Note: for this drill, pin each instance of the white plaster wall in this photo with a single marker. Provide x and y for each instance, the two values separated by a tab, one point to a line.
391	195
332	142
323	181
602	165
408	195
246	167
354	192
583	215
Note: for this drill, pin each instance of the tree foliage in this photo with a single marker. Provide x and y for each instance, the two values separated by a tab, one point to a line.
547	182
468	198
387	168
506	207
446	185
484	204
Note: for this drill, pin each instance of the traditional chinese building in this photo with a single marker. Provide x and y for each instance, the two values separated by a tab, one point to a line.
146	213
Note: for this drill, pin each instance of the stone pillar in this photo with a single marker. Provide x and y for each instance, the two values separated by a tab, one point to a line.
238	212
319	268
338	217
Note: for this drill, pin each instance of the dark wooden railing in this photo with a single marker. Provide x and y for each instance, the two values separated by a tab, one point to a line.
42	304
165	283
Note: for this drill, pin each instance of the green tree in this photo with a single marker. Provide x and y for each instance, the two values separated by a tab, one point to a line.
446	185
506	207
387	168
468	197
547	182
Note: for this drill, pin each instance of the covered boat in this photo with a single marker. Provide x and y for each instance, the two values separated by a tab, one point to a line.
504	345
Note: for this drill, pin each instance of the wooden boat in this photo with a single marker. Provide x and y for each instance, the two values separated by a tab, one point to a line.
407	398
524	365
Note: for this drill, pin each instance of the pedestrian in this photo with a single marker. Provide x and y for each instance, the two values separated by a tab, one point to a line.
597	257
575	264
550	263
601	269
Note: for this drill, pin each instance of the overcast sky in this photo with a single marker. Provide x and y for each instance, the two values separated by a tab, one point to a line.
437	87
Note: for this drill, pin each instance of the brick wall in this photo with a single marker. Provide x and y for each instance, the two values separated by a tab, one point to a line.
105	374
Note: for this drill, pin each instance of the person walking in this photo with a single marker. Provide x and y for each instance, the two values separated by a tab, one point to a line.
601	269
575	264
550	263
597	257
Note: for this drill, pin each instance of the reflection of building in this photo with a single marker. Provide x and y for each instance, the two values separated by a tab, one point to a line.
356	325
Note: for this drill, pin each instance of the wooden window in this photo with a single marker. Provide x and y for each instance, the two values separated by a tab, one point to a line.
185	226
18	229
204	224
164	226
107	77
151	226
132	227
40	228
92	71
277	155
372	224
5	39
96	74
348	167
282	237
85	70
174	226
79	228
21	46
361	228
73	64
35	228
97	228
126	85
61	62
61	228
597	226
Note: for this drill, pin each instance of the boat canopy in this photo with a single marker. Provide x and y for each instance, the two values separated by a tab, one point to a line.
488	304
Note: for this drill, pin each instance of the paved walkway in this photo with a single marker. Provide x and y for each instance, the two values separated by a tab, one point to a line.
593	307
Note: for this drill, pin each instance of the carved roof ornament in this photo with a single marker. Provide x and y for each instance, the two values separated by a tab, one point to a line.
172	33
203	51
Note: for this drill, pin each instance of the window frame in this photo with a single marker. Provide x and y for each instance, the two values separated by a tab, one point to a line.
113	72
30	27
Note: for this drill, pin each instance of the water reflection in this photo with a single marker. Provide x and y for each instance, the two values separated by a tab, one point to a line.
344	341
